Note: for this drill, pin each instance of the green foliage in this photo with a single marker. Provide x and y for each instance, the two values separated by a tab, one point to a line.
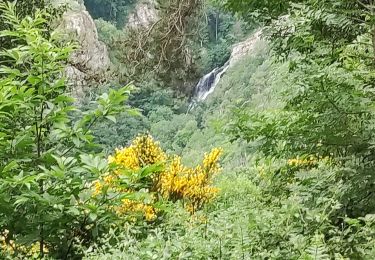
249	222
317	104
175	132
113	11
23	9
152	107
327	108
107	31
324	108
329	22
257	10
47	163
296	124
220	31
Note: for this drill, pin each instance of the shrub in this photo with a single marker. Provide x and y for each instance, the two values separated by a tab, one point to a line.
144	175
47	160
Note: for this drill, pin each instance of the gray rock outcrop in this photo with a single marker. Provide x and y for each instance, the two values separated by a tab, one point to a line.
143	15
244	48
89	63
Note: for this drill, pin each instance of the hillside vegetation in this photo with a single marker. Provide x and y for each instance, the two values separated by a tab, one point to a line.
277	163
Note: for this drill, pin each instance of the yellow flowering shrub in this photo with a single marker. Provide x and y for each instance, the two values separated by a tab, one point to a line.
143	151
192	186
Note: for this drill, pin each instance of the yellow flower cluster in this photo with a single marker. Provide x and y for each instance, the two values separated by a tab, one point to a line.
133	207
128	207
106	182
191	185
143	151
210	161
302	162
307	161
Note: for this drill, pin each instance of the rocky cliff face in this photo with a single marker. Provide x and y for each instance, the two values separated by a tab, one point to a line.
143	15
244	48
89	64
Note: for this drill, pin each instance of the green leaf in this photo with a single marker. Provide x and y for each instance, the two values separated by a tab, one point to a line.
112	118
10	166
92	216
74	211
150	170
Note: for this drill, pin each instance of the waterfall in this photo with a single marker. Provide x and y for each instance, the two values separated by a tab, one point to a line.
207	84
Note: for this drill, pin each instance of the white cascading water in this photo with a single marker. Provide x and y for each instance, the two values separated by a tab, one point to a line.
207	85
209	82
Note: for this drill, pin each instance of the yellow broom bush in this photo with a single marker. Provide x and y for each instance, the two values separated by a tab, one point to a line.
176	182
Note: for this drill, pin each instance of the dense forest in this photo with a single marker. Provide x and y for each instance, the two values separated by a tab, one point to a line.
187	129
